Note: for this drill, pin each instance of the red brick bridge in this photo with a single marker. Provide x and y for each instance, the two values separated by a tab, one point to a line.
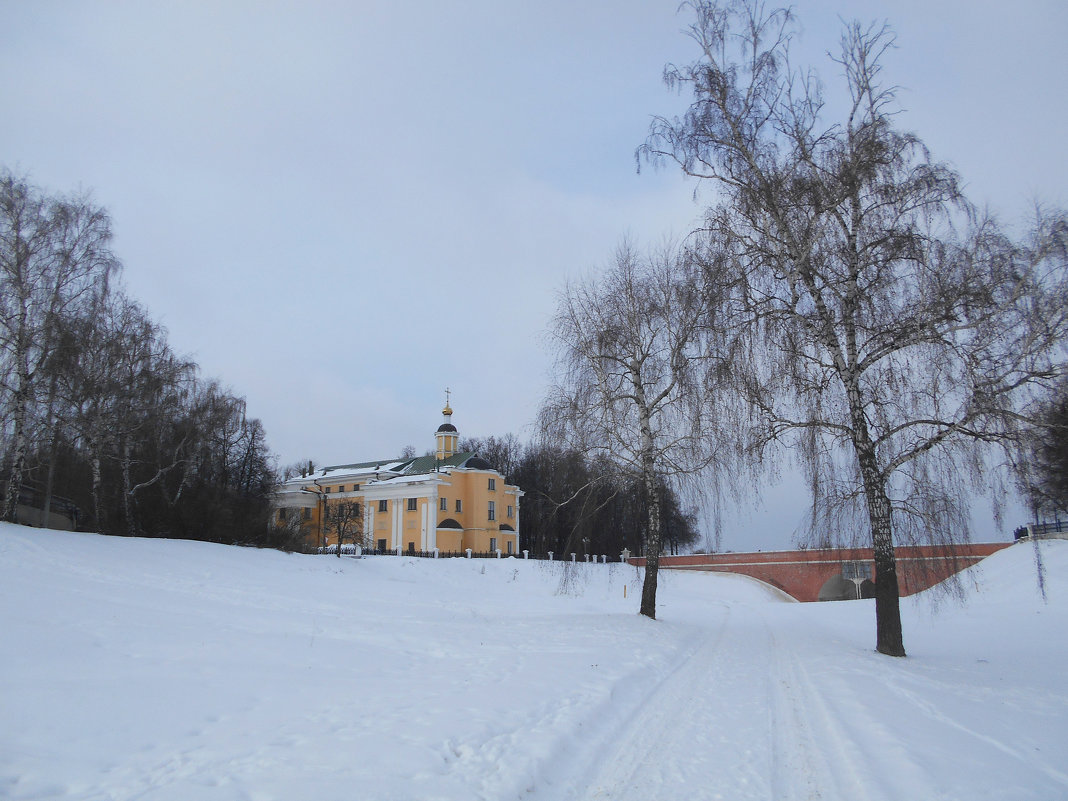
832	574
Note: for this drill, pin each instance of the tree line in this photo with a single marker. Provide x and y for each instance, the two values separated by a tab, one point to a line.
573	503
1043	460
100	419
842	306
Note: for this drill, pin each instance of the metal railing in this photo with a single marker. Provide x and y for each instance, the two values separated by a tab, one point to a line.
353	550
1042	530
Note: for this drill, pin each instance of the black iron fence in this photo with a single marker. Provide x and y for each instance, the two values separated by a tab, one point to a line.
353	550
1041	530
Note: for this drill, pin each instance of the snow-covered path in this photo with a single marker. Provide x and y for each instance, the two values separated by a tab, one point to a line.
738	716
158	670
710	709
770	702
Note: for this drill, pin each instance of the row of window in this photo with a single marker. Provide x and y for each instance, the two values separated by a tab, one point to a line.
341	488
412	504
348	511
443	505
356	488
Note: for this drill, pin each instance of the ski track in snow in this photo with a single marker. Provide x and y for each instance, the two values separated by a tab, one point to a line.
981	739
823	736
737	717
674	739
755	709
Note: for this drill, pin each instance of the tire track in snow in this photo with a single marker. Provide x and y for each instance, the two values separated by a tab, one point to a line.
741	717
551	767
632	758
697	734
828	743
797	769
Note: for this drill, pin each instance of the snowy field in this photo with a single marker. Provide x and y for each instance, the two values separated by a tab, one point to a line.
156	669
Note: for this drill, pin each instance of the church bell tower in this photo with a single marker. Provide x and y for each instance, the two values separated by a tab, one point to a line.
446	435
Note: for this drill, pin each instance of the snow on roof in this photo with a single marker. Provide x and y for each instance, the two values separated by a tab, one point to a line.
389	470
412	479
380	466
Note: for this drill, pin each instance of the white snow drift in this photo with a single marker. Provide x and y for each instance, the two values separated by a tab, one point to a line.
155	669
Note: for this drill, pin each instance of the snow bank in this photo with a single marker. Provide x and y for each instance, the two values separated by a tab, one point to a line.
157	669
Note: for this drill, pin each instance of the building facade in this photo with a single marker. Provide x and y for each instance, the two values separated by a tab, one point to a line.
447	501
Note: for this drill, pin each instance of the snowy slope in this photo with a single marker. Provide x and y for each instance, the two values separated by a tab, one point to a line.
156	669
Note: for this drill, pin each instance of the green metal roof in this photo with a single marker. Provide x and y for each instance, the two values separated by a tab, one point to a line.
427	464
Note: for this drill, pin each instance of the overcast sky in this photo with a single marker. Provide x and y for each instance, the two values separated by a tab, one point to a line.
341	208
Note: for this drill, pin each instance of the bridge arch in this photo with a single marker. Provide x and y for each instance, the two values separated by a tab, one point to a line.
839	588
822	573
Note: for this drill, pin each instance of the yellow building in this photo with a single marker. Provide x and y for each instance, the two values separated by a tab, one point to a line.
446	501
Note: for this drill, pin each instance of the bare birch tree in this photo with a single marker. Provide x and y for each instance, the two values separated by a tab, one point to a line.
53	253
124	392
894	329
345	520
638	362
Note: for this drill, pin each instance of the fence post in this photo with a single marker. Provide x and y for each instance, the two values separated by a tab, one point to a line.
498	553
550	556
435	553
625	555
572	558
468	553
525	553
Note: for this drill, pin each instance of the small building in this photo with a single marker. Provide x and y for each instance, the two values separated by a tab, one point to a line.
446	500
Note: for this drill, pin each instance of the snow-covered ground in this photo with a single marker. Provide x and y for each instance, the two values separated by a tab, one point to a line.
155	669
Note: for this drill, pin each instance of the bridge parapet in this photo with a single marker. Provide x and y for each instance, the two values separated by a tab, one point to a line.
804	574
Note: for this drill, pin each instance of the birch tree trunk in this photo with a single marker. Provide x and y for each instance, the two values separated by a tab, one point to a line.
652	491
127	489
97	484
888	633
17	464
53	433
653	538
